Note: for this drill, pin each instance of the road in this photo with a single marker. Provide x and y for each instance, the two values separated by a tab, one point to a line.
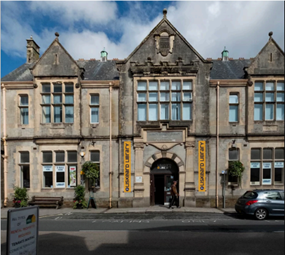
147	234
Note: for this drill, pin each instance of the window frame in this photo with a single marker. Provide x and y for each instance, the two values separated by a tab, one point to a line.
99	165
234	104
232	179
94	106
22	107
21	166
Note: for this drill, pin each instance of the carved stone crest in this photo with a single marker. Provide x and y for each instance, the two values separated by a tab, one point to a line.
164	43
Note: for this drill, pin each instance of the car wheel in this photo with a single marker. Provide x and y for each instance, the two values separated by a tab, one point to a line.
260	214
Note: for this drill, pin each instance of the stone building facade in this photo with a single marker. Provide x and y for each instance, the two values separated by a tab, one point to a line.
165	99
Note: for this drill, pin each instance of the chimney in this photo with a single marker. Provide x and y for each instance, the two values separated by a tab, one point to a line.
104	55
33	50
225	54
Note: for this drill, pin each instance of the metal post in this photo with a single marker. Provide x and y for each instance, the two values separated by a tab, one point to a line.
224	195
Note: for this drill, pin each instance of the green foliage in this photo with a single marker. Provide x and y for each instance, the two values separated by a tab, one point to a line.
79	200
80	204
91	171
236	168
20	197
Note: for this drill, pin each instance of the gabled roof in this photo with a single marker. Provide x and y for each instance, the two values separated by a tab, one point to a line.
22	73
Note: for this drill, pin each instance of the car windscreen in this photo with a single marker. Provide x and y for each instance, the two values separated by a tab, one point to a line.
250	195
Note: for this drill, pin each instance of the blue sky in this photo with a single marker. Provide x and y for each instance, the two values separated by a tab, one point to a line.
85	28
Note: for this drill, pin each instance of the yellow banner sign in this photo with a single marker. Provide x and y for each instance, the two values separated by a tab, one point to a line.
127	166
202	166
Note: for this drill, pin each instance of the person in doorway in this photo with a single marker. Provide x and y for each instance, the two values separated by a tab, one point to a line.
174	195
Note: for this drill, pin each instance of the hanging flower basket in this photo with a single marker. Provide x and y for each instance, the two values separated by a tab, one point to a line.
236	169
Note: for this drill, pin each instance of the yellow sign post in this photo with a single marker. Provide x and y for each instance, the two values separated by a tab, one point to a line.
127	166
202	166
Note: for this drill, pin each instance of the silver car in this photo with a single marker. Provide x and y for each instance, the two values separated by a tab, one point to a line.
261	203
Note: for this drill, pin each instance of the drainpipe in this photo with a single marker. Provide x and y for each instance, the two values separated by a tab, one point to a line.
110	146
217	142
5	146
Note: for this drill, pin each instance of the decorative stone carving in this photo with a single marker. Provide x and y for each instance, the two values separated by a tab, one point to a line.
190	144
139	145
164	43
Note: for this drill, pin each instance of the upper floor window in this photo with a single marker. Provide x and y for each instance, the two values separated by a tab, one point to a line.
233	107
24	109
57	103
269	100
94	108
164	100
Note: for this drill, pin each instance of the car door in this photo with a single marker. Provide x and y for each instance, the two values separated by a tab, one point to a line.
274	203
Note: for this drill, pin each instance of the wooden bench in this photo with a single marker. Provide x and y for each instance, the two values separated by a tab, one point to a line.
46	201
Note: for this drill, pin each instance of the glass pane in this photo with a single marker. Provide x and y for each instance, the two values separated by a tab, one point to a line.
141	97
187	111
278	174
141	85
69	99
24	100
258	97
24	116
141	112
24	157
269	111
164	96
279	153
69	114
175	112
233	113
47	179
57	88
72	156
58	114
94	115
258	86
269	86
175	96
280	85
153	97
59	156
254	174
46	114
187	85
280	112
255	153
46	88
46	99
153	112
69	88
47	156
269	97
233	99
152	85
57	99
164	85
60	177
266	173
26	176
187	96
164	111
176	85
234	155
94	100
280	97
267	153
95	156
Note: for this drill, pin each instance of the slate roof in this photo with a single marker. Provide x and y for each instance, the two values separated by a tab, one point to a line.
94	70
231	69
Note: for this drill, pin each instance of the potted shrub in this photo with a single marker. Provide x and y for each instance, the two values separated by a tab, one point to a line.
91	172
79	200
20	197
236	169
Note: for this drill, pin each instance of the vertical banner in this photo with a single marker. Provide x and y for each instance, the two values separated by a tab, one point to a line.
127	166
72	176
202	166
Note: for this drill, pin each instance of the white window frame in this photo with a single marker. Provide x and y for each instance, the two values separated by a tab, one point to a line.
236	104
93	106
22	107
23	164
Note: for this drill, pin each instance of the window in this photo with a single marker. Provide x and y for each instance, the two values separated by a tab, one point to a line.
95	158
233	108
24	109
56	164
233	156
267	166
25	169
164	100
269	100
94	109
57	103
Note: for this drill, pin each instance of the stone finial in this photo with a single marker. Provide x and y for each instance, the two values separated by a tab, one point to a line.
56	34
164	13
270	34
31	37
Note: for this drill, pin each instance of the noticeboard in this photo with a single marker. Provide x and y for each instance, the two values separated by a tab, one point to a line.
22	231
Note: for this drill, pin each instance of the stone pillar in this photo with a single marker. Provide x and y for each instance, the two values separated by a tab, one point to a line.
189	198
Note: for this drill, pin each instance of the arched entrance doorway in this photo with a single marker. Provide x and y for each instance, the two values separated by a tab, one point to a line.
163	172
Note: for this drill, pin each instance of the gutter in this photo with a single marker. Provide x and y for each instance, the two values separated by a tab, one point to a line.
110	146
217	141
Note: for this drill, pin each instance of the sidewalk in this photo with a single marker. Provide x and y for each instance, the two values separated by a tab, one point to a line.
152	209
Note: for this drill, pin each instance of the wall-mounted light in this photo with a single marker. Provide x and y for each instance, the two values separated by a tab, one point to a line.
82	154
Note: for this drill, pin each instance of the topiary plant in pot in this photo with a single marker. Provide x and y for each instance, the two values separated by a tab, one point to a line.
79	200
20	197
236	169
91	172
